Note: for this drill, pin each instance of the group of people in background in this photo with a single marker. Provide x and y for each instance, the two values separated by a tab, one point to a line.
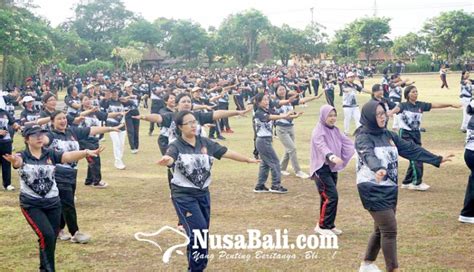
184	103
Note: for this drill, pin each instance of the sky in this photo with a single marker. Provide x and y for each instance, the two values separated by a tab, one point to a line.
407	15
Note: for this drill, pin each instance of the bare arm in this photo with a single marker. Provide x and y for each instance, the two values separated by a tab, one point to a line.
444	105
152	118
238	157
74	156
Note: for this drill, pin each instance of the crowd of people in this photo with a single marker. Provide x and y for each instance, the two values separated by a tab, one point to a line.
192	108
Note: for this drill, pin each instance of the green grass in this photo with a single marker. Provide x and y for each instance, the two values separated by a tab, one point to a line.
430	238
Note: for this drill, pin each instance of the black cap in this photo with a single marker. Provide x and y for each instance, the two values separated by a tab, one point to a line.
46	97
33	129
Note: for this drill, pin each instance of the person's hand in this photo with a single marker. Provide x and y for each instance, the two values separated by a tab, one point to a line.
13	159
210	107
96	152
139	117
252	160
3	132
336	160
165	160
243	113
447	158
380	174
117	128
456	106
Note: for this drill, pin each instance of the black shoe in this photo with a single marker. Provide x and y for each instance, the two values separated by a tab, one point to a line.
422	129
261	189
278	189
220	137
212	137
463	130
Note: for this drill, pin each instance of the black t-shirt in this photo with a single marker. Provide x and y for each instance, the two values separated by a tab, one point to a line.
411	114
168	125
65	142
6	120
192	165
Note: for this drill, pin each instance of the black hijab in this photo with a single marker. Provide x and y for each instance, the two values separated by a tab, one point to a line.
368	118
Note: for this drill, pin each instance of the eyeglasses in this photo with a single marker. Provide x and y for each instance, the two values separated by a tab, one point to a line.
380	114
37	135
191	123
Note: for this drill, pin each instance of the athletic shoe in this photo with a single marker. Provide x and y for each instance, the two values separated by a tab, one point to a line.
405	186
419	187
278	189
80	238
365	267
101	185
261	189
10	188
463	130
302	175
422	129
119	165
285	173
63	236
212	137
150	133
134	151
220	137
321	231
229	130
465	219
336	231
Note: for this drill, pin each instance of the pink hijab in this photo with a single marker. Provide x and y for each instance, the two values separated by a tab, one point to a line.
325	140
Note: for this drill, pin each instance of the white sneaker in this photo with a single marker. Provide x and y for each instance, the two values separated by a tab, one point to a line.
365	267
465	219
285	173
63	236
10	188
405	186
336	231
119	165
302	175
419	187
101	185
80	238
321	231
134	151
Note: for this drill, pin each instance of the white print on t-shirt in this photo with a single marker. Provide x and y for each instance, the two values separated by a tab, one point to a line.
388	156
193	168
39	178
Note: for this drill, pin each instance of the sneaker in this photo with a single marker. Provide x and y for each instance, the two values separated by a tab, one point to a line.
101	185
366	267
463	130
119	165
150	133
63	236
278	189
134	151
10	188
405	186
212	137
466	219
336	231
261	189
285	173
321	231
422	129
80	238
220	137
229	130
302	175
419	187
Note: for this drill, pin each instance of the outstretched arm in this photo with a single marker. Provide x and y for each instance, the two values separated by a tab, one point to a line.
239	157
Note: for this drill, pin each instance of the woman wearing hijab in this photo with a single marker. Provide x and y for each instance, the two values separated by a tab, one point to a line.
377	175
331	151
467	213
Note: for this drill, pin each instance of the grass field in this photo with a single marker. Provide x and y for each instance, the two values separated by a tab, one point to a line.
429	235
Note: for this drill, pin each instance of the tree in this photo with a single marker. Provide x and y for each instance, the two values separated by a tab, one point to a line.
313	42
187	39
285	42
409	46
70	47
130	55
101	22
448	34
143	31
211	45
239	34
342	46
369	34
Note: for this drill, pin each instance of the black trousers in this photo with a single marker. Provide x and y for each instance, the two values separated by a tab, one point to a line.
216	129
224	122
468	210
415	169
195	214
67	192
340	89
45	223
156	106
443	80
326	182
133	131
94	175
6	148
329	96
315	84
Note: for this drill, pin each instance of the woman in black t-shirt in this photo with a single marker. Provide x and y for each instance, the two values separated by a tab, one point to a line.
39	195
